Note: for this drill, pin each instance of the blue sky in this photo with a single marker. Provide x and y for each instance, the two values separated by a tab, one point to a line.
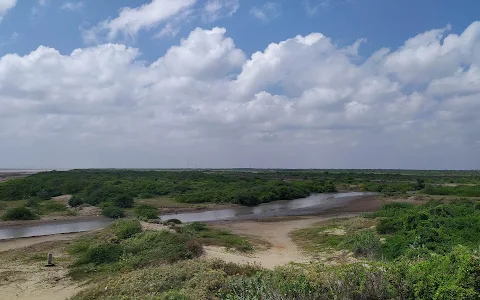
236	83
382	23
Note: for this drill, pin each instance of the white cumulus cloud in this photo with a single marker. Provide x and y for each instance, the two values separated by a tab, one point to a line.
301	102
5	6
131	20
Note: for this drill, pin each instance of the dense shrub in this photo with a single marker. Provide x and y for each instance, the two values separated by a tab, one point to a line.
113	212
460	190
163	246
365	243
123	201
211	236
247	198
75	201
100	254
434	226
125	229
145	211
19	213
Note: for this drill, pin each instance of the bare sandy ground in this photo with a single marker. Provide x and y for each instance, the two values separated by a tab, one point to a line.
282	250
23	274
27	242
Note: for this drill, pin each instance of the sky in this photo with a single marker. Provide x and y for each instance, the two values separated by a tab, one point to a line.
240	83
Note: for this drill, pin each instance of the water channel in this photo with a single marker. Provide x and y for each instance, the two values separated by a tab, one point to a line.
313	204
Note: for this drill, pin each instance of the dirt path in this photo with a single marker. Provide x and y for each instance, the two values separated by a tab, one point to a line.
282	251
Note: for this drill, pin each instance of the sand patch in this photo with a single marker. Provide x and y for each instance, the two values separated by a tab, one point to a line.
340	231
282	250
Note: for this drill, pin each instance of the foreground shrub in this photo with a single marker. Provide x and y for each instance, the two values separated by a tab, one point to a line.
145	211
210	236
435	226
318	282
113	212
19	213
365	243
192	279
100	254
160	246
125	229
452	276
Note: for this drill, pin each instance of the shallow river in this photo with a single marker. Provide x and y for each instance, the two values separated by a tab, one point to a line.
304	206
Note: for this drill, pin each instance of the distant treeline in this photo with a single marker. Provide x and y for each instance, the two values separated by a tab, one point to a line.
245	187
98	186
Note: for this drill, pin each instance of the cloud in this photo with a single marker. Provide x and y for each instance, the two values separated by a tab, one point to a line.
131	20
266	12
216	9
5	6
312	7
301	102
72	5
39	7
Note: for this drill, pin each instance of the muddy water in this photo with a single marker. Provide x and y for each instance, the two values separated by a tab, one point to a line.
302	206
305	206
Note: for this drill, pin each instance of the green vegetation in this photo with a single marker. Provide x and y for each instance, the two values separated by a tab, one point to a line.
210	236
19	213
460	190
453	276
113	212
403	251
365	243
352	234
241	186
146	212
191	279
75	201
434	226
124	247
125	229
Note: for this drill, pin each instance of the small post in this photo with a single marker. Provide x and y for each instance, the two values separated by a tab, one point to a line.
49	260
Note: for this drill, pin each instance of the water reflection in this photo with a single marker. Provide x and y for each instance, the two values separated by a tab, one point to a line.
278	208
49	229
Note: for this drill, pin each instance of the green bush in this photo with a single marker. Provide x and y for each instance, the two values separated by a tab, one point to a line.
75	201
365	243
123	201
49	206
160	246
33	202
100	254
113	212
434	226
19	213
145	211
247	199
453	276
210	236
125	229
